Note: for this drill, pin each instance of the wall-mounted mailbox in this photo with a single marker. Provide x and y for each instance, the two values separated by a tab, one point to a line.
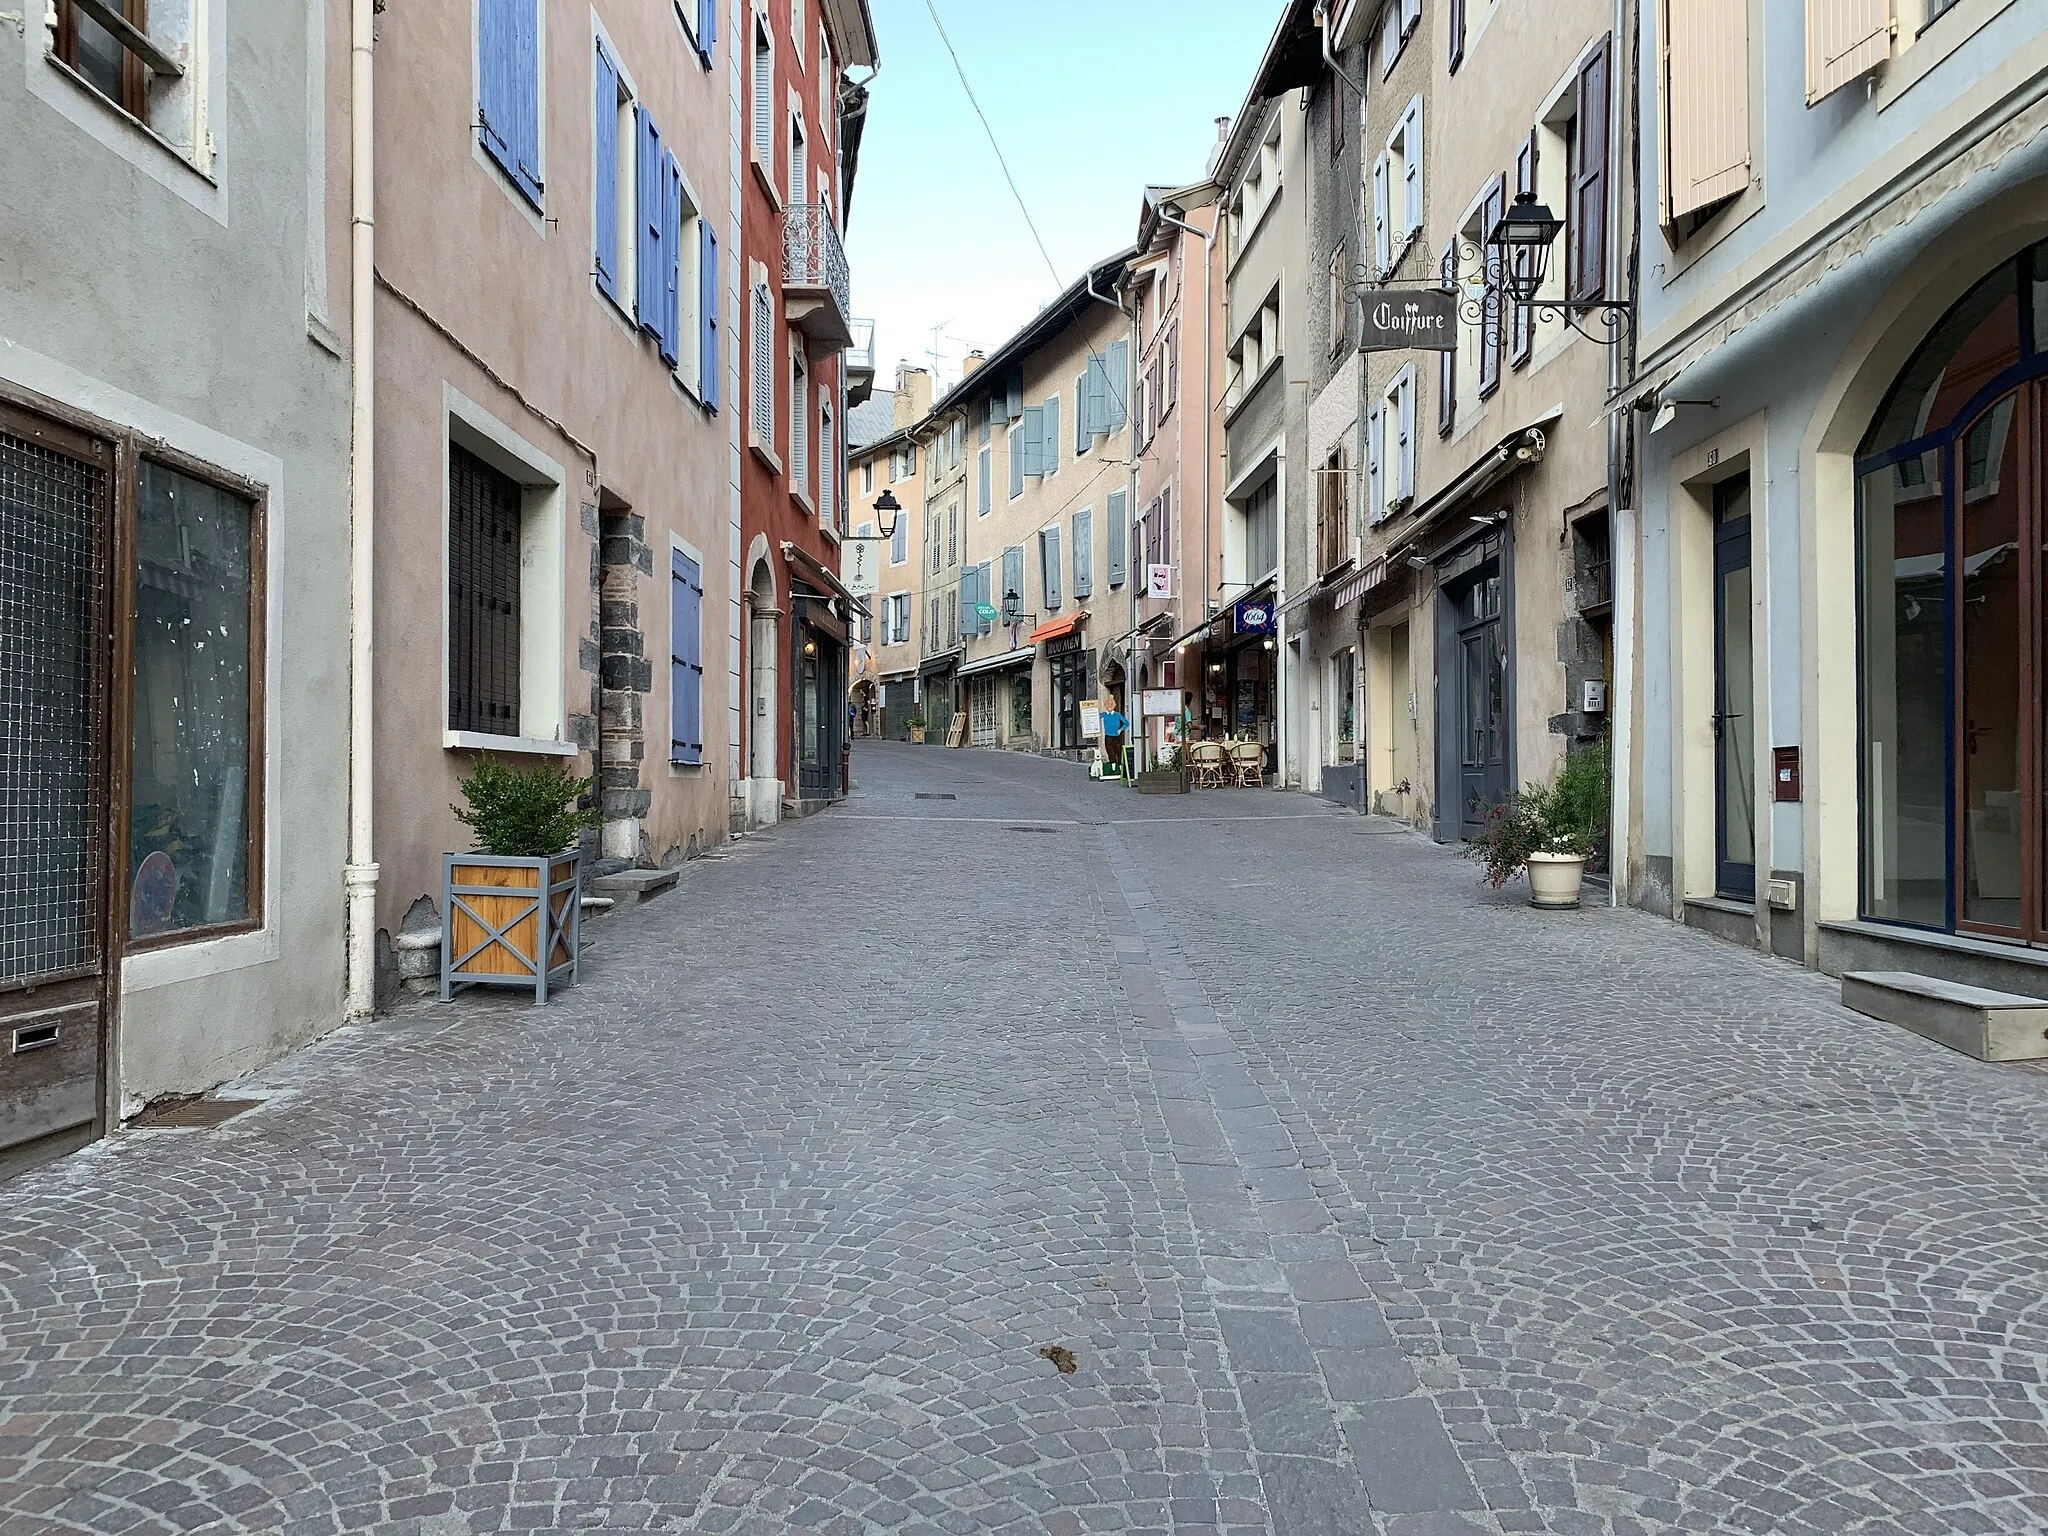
1785	773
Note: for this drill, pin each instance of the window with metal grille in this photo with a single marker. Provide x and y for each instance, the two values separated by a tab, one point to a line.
483	597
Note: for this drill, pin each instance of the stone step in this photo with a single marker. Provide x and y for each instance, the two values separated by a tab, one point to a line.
1991	1026
634	884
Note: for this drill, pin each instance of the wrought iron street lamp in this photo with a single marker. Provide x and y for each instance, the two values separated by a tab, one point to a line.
887	509
1517	259
1013	607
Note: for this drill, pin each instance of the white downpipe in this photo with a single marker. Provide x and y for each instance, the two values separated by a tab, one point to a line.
360	876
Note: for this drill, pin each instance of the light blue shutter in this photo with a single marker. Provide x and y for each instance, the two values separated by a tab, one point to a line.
686	659
1118	513
1411	167
1382	248
526	97
1049	562
1082	419
671	339
1084	553
707	315
1013	402
605	122
1013	576
1375	475
1404	464
707	30
981	507
1028	439
500	73
1049	438
988	416
647	220
1117	386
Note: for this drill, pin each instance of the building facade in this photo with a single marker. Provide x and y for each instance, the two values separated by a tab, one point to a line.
174	571
1836	695
1043	565
883	457
795	324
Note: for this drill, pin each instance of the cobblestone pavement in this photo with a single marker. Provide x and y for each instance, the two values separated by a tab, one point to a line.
1365	1199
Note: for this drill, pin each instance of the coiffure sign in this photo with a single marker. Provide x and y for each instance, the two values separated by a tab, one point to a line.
1420	318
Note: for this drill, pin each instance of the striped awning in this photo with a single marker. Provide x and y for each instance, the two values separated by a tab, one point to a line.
1374	573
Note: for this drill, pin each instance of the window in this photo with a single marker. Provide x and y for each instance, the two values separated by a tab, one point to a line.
796	23
1257	349
1397	21
508	56
484	537
763	126
896	615
686	659
1586	209
899	541
799	424
1397	460
934	551
982	485
1015	449
952	535
761	416
1259	532
196	749
1339	315
1118	515
1049	566
703	30
799	165
1447	361
952	618
103	59
1083	532
828	479
1397	190
1339	105
867	477
1704	102
1333	513
1483	337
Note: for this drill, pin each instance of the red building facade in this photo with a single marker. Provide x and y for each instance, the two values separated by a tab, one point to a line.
800	124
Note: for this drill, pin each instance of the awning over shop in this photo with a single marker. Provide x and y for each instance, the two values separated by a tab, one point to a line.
1052	629
938	663
1021	657
1374	573
1323	588
1222	615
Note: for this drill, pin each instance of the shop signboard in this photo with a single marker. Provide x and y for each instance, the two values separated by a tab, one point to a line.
860	565
1425	319
1162	701
1159	581
1255	616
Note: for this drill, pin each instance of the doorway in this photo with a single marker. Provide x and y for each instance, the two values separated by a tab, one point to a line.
55	671
1480	690
1734	696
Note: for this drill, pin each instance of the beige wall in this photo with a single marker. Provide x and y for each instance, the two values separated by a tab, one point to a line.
887	661
489	302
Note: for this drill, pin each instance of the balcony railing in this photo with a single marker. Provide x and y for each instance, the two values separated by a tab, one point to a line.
860	357
816	283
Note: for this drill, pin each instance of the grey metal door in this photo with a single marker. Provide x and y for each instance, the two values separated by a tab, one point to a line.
55	497
1482	697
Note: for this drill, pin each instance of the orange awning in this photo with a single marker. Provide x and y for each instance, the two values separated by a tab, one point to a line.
1052	629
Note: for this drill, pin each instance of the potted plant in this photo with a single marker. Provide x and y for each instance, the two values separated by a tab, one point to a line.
915	722
1167	776
511	913
1550	832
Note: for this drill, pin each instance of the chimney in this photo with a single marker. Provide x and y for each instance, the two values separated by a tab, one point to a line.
913	394
969	363
1216	149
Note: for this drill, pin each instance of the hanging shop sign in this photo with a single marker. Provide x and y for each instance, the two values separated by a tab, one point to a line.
986	612
860	565
1255	616
1159	581
1414	318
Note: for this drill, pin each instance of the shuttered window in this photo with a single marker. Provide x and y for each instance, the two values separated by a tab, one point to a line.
1117	377
1588	217
647	193
764	99
799	166
1844	39
828	478
1049	438
1166	525
1403	425
1382	236
671	250
605	172
686	659
508	89
483	596
1118	512
1492	322
982	486
1084	410
1411	168
799	427
1375	464
1049	566
707	315
1447	362
762	424
1031	441
1705	76
1013	577
1084	553
707	30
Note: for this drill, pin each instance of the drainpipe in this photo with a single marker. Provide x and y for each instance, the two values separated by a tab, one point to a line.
360	875
1330	54
1624	521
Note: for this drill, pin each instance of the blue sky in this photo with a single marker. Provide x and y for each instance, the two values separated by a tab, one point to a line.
1090	100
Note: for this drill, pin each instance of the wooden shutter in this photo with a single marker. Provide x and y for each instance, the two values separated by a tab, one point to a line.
1118	376
1172	364
1013	575
763	363
1031	440
526	99
671	260
828	477
1491	322
1522	331
707	316
1084	397
686	659
1456	26
1084	553
1411	169
1049	438
1706	103
1382	237
1018	446
496	38
1404	427
1326	518
1118	513
1375	464
707	30
647	221
799	167
981	506
1588	217
1013	394
1049	565
605	123
1166	525
1844	39
1447	362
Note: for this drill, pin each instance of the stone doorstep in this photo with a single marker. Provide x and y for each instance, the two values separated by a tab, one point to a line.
1991	1026
638	884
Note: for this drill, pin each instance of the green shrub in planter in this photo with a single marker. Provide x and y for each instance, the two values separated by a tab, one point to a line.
524	813
1566	816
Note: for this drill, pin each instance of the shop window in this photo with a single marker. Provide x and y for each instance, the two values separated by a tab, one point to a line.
196	746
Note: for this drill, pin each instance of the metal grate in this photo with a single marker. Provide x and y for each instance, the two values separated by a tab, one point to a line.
193	1114
52	564
483	597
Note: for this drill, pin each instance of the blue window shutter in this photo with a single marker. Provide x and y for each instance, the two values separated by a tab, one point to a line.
526	63
1049	436
1016	449
982	505
647	222
1119	537
1083	398
1375	499
1049	565
707	30
686	659
1084	553
1013	574
671	264
1405	470
1117	382
1013	394
496	39
1028	440
707	314
605	122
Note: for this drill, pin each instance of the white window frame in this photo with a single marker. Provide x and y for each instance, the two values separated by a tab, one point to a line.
761	362
799	148
800	412
763	105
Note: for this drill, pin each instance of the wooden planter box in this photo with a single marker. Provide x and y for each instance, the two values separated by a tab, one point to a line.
1163	781
510	922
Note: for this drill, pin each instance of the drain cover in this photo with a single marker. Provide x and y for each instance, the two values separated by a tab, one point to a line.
194	1114
1046	831
923	796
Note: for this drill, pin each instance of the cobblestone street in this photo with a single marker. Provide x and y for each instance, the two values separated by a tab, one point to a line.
1451	1217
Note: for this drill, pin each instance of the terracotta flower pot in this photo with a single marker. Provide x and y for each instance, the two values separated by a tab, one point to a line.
1554	879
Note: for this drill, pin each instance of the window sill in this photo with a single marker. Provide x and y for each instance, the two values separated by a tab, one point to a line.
766	180
802	498
1932	44
120	114
695	770
766	455
531	746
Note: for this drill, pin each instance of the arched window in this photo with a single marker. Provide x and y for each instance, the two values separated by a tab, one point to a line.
1952	616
